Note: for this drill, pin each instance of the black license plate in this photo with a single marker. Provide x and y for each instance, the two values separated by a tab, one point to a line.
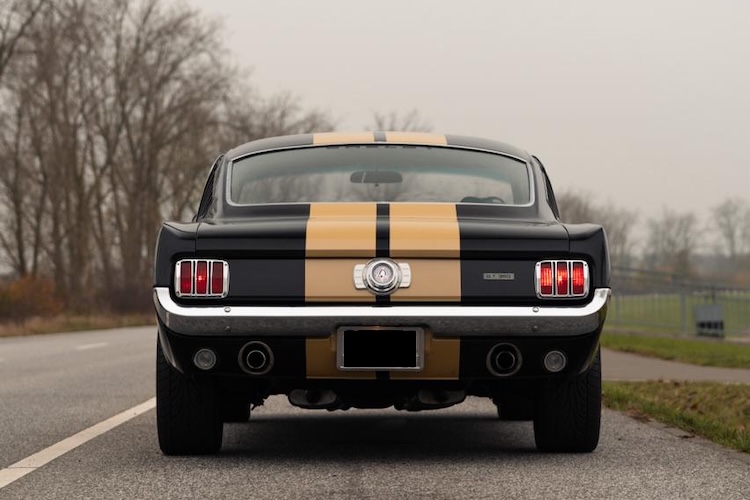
370	348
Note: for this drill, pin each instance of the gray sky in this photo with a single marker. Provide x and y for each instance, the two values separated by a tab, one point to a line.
646	103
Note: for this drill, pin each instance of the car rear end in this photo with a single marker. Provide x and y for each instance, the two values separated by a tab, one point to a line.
381	281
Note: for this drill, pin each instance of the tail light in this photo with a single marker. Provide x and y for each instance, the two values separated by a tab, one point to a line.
562	278
201	278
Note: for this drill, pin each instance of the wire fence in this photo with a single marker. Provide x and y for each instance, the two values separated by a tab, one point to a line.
665	302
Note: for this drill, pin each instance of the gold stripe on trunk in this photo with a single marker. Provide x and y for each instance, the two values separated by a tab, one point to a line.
416	138
424	230
332	280
341	230
442	360
321	360
339	236
432	280
343	138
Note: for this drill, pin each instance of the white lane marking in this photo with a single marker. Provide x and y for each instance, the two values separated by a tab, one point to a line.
86	347
33	462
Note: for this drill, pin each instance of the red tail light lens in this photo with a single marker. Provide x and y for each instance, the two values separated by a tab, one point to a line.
185	278
580	279
217	278
562	278
546	279
202	278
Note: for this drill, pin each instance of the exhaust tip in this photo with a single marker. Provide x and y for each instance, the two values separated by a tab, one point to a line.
504	360
256	358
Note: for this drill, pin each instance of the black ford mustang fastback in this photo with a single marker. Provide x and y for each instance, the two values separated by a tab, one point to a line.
379	269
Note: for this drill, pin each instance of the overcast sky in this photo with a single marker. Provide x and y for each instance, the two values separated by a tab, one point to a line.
645	103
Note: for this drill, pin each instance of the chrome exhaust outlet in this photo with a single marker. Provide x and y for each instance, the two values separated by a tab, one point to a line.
504	360
256	358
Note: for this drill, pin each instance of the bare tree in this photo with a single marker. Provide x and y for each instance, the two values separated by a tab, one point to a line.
576	207
673	239
109	126
16	16
731	223
617	222
409	122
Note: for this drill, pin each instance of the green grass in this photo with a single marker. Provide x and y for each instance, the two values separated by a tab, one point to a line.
718	412
665	311
693	351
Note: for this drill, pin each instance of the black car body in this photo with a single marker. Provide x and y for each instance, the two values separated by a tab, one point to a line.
379	269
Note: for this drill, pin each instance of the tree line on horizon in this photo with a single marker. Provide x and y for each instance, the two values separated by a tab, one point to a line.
681	243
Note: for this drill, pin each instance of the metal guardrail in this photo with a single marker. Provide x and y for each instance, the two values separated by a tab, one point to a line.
671	303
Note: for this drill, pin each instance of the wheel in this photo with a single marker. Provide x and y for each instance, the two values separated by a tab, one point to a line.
567	415
188	421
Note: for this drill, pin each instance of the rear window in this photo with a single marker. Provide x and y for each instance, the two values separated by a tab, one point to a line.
379	173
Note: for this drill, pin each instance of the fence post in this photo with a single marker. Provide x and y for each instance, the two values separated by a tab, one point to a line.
683	308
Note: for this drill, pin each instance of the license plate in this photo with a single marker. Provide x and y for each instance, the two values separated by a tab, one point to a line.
380	348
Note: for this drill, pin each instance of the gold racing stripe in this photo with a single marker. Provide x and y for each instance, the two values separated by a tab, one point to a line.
416	138
343	138
426	236
341	230
424	230
339	236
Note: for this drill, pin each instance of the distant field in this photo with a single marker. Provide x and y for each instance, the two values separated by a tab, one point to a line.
667	312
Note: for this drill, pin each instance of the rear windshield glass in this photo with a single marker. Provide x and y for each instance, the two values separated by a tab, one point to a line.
379	173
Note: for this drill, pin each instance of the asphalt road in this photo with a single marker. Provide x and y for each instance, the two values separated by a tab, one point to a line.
54	386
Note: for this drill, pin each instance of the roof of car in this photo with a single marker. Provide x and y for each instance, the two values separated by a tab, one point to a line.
342	138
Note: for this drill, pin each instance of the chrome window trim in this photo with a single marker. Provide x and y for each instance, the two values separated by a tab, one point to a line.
230	168
441	320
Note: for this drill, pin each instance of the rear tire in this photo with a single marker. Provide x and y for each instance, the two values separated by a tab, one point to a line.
187	412
567	415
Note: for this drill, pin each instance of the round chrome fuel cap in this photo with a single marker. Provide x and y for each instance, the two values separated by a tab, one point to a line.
382	276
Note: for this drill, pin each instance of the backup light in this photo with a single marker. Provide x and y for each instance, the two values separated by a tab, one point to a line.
562	279
201	278
205	359
555	361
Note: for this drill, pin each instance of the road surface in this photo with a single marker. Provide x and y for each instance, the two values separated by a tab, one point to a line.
53	387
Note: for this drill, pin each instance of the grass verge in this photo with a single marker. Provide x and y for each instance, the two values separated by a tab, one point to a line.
693	351
57	324
715	411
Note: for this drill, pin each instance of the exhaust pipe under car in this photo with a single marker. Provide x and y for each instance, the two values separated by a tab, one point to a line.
504	360
314	399
256	358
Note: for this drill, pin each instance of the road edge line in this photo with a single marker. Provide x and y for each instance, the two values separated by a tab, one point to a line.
27	465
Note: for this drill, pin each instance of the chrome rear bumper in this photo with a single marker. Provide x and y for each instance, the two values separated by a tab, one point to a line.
322	321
